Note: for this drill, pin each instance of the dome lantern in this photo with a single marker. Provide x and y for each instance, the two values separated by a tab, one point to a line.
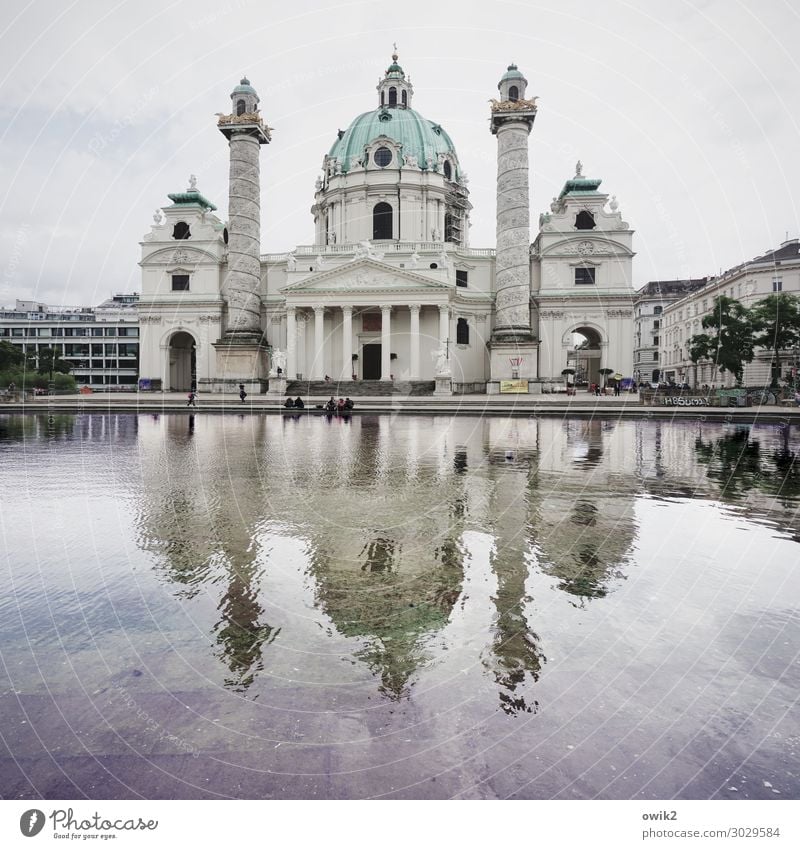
395	90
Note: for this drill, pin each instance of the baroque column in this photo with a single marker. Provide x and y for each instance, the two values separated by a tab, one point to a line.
241	352
413	343
318	363
347	343
291	344
386	341
511	121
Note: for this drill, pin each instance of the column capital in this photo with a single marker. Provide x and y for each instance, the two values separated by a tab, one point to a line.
319	308
386	308
415	307
444	307
347	308
290	309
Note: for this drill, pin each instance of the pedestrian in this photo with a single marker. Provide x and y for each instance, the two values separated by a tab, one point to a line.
242	393
597	389
331	405
348	404
616	389
192	396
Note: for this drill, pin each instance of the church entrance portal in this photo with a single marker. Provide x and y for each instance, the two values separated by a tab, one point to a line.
585	356
182	362
372	362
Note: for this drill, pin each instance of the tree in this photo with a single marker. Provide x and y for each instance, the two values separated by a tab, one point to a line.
50	362
10	356
776	322
730	345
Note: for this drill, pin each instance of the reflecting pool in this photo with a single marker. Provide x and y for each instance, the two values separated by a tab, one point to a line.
407	607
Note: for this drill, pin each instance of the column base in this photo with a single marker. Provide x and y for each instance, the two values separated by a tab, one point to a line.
241	358
501	353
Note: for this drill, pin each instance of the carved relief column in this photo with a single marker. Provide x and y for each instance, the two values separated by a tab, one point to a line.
291	344
413	342
347	343
318	364
386	341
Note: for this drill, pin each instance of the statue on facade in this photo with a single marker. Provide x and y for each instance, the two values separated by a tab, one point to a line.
277	363
411	161
554	205
291	262
192	183
320	262
318	184
157	218
435	235
414	262
579	169
442	362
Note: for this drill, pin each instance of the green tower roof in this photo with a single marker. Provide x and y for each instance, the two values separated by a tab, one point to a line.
418	136
513	73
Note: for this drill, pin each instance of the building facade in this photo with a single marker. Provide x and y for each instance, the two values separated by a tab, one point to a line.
390	290
773	272
648	319
100	343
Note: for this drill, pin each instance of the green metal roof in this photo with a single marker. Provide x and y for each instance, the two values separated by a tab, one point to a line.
191	199
418	136
580	186
244	87
513	73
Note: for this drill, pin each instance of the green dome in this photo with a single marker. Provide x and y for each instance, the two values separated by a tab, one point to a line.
418	136
513	73
244	87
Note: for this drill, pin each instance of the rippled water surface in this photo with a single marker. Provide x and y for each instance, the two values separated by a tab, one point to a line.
415	607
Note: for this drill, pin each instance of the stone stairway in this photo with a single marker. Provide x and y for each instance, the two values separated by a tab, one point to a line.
358	388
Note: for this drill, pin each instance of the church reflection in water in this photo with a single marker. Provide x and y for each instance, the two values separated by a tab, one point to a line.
379	509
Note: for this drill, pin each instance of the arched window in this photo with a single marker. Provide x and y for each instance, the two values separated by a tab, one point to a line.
584	220
448	227
462	332
448	170
240	107
382	221
383	93
392	96
181	231
405	98
513	93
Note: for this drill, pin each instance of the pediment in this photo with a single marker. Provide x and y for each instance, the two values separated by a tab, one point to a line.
366	276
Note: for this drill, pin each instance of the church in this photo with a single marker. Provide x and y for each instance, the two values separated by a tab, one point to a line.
390	295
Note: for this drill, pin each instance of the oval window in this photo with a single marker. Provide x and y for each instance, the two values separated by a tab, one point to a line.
382	157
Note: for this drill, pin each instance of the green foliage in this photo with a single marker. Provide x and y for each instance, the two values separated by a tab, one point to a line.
28	379
11	356
730	343
776	324
50	362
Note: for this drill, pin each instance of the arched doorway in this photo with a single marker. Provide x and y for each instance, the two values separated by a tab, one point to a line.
584	355
182	362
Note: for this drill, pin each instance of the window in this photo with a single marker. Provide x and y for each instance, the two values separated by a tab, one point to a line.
97	350
584	221
383	93
655	356
240	107
111	331
180	282
392	96
777	284
513	93
181	231
405	98
658	310
461	278
448	171
462	332
655	340
381	221
656	324
584	276
97	331
448	227
382	157
16	331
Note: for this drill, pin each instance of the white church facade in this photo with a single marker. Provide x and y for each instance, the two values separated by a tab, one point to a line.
390	290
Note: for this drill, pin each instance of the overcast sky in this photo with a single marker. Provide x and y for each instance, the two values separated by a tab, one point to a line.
686	110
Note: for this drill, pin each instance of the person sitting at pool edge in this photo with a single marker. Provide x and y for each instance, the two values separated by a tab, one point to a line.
298	403
289	404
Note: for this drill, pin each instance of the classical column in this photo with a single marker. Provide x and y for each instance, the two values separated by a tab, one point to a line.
413	342
444	325
347	343
386	341
291	344
302	324
318	364
512	121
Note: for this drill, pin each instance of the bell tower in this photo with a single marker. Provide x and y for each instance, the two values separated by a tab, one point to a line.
241	351
395	90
